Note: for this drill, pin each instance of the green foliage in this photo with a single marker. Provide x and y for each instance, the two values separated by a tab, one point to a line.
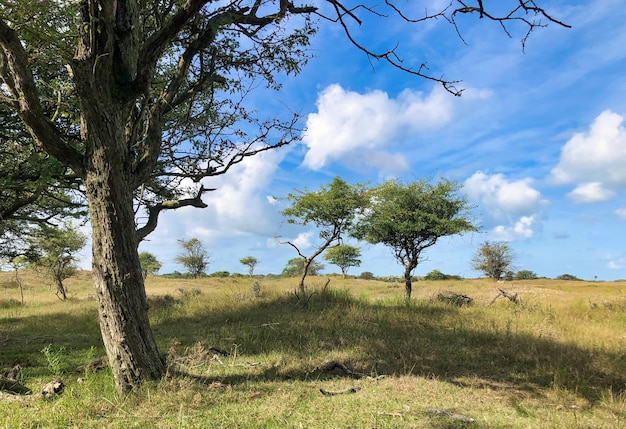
333	210
250	262
568	277
295	267
525	275
344	256
149	264
409	218
438	275
493	259
220	274
194	257
58	247
55	359
367	275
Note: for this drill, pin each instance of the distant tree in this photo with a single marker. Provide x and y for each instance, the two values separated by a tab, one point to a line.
568	277
411	218
344	256
149	264
331	209
438	275
295	267
250	262
195	257
493	259
367	275
58	247
525	275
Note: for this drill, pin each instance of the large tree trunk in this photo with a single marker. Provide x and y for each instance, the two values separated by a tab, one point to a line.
118	280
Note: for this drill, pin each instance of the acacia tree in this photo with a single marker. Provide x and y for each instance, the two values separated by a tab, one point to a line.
493	259
250	262
194	257
132	97
411	218
58	247
149	264
332	210
344	256
295	267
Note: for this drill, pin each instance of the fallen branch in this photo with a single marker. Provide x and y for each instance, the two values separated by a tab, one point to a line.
454	298
333	364
450	415
340	392
13	386
513	297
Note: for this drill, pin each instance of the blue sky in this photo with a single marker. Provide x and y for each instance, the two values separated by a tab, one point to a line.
538	140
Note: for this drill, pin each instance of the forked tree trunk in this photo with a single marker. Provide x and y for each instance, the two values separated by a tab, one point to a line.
118	280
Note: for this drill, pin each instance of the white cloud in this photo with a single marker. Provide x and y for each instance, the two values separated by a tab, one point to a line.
616	264
355	128
501	196
592	192
511	205
303	240
621	213
523	228
595	159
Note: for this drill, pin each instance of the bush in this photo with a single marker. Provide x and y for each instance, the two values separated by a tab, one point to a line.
366	275
221	274
525	275
438	275
567	277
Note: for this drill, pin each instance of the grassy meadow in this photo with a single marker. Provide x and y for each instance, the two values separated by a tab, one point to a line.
557	360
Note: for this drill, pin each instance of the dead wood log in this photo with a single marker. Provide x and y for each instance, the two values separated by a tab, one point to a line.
513	297
93	366
333	364
454	298
13	386
340	392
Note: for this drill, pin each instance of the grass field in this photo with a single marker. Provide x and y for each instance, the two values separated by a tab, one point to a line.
557	360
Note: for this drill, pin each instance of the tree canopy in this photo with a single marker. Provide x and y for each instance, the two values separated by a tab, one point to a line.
344	256
409	218
333	210
493	259
194	257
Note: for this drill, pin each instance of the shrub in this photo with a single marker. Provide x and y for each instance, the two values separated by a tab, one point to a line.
366	275
221	274
567	277
525	275
438	275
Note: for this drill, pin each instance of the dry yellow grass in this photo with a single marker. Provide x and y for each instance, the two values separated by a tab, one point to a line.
557	360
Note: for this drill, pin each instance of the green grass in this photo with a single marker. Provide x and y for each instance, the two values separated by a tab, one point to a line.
557	360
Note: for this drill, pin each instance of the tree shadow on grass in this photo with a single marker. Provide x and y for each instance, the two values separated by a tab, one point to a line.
425	339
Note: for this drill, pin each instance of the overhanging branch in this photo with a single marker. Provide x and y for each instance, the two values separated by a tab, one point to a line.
155	211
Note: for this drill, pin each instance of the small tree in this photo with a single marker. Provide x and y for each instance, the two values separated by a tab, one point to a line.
493	259
58	247
149	264
332	209
344	256
195	257
295	267
411	218
250	262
